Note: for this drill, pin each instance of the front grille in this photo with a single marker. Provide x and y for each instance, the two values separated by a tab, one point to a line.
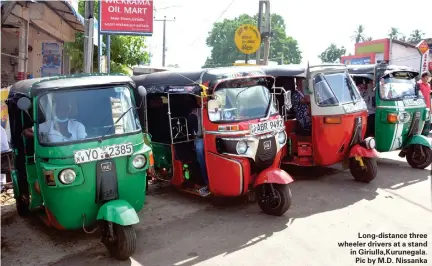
266	153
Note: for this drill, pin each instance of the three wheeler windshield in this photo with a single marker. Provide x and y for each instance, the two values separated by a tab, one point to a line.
243	103
335	88
84	114
398	88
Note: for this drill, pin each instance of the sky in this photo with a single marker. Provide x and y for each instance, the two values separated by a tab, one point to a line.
314	24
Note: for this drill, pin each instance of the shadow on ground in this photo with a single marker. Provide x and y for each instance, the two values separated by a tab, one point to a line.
230	228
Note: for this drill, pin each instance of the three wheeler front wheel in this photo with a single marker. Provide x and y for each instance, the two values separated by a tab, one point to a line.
122	244
274	201
419	156
365	173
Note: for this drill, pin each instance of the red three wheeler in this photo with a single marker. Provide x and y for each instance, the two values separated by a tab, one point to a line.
333	129
242	134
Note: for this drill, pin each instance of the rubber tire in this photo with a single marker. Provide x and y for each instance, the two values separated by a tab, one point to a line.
410	154
285	196
22	207
362	175
125	245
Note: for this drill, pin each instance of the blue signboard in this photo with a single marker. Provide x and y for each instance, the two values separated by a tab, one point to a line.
360	61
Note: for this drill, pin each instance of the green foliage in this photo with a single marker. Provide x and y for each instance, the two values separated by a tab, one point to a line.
359	35
416	36
394	33
332	54
126	51
225	53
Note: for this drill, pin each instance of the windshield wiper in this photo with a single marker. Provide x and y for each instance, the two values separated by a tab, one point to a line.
123	114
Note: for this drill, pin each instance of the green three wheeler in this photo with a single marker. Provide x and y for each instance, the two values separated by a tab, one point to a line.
397	111
80	157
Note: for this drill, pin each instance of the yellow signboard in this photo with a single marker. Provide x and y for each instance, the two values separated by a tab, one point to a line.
247	38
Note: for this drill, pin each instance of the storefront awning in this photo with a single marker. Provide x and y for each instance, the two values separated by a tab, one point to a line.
68	11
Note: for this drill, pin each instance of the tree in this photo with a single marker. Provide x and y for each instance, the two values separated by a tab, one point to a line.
416	36
359	35
394	33
126	51
368	39
224	51
332	54
403	38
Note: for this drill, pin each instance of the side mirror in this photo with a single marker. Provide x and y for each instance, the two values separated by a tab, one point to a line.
142	91
24	104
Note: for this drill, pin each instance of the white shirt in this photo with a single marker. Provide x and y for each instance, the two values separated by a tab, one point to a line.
4	140
50	134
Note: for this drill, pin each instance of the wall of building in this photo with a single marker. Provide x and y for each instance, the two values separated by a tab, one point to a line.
9	45
404	55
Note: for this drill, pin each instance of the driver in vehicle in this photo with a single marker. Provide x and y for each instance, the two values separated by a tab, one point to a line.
195	126
61	128
301	106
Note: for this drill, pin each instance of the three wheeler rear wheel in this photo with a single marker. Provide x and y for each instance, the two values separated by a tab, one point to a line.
365	173
122	244
22	206
274	201
419	156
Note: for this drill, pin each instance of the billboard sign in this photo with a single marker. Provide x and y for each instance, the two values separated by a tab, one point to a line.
360	61
127	17
423	48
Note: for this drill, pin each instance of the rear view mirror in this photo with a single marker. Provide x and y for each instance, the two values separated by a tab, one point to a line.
142	91
24	104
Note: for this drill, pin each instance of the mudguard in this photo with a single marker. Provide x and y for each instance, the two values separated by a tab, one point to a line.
273	175
418	139
358	150
119	212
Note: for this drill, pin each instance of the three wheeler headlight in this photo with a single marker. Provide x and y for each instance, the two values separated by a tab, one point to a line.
282	137
139	161
67	176
370	143
241	147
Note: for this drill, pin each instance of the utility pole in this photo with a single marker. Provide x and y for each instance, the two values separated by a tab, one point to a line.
265	30
88	36
164	37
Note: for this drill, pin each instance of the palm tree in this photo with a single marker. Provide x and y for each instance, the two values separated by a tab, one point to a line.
358	34
403	38
368	39
394	33
416	36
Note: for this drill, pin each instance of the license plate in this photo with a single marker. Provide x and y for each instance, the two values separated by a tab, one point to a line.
96	154
266	126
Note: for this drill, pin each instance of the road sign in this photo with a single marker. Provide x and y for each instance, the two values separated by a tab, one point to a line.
247	38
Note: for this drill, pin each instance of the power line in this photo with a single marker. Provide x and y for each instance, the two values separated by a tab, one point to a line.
226	9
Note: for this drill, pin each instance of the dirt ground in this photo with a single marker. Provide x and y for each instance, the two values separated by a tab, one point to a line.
178	229
29	242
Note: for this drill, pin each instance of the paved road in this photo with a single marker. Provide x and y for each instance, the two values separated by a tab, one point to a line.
328	207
